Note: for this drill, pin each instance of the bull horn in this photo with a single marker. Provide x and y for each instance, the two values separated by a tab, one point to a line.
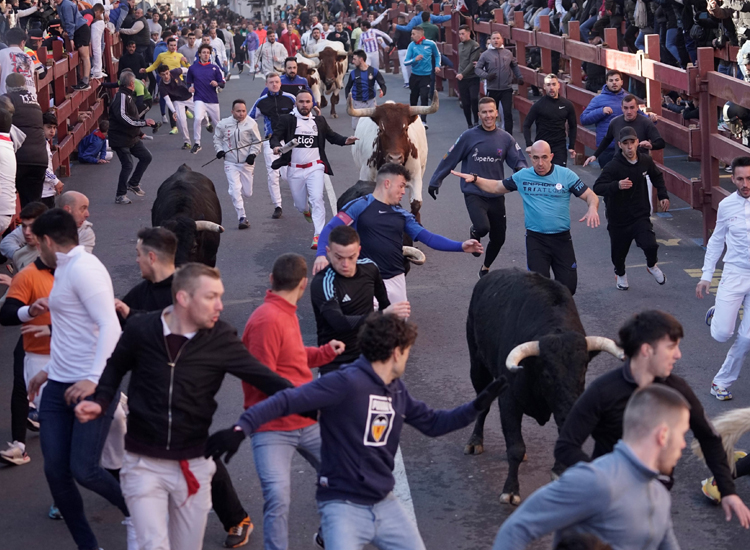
309	56
521	352
426	110
414	255
203	225
600	343
351	111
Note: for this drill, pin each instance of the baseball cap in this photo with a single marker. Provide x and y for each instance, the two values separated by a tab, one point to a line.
627	133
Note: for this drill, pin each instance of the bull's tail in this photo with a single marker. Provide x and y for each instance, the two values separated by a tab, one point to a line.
731	425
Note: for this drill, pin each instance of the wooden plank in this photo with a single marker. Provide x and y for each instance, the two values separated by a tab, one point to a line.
522	35
623	61
675	134
550	41
725	149
582	52
718	194
682	187
667	75
729	89
579	96
586	136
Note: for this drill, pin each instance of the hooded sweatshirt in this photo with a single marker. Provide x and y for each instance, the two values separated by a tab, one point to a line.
361	418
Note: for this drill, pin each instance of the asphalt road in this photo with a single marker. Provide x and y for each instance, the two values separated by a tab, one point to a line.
456	497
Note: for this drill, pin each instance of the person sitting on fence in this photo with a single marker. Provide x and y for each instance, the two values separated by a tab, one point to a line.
93	147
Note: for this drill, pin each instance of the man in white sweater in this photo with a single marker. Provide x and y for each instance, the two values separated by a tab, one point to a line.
82	308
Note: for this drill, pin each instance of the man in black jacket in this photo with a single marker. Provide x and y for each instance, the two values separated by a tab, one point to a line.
178	358
132	60
155	252
651	341
125	125
31	157
307	161
624	186
550	115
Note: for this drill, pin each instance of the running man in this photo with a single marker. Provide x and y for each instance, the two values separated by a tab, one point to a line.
203	78
732	220
361	84
423	57
307	162
272	106
237	141
381	224
550	114
363	409
546	190
178	99
371	41
482	151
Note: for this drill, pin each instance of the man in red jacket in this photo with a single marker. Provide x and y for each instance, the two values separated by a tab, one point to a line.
273	336
291	42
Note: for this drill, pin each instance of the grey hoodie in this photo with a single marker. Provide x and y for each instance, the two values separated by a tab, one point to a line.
498	67
616	497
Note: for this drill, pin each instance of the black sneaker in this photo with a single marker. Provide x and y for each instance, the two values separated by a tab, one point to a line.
210	128
276	213
239	534
81	86
122	199
32	420
244	224
197	147
318	540
473	236
136	189
483	272
186	146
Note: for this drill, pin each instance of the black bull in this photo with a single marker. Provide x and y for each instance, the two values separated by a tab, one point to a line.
510	308
186	204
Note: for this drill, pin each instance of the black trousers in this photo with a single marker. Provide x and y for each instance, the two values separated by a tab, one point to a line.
419	85
226	503
469	91
504	98
19	402
29	182
560	154
126	155
555	250
488	216
620	237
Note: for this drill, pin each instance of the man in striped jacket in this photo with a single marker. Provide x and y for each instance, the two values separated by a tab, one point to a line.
370	40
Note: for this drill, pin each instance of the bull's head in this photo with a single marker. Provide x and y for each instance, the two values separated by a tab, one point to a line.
393	120
328	68
559	363
190	235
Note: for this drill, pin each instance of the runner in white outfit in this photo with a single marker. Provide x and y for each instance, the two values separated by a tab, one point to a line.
732	223
370	41
237	141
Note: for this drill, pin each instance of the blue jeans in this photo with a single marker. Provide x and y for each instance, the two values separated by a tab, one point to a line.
273	452
640	41
72	452
385	525
586	27
672	44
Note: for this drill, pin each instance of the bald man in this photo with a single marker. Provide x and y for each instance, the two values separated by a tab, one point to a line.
77	204
546	190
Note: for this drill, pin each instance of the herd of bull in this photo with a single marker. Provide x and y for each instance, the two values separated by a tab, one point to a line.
536	338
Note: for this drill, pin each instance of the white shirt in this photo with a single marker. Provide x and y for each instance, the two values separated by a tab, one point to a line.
371	39
14	60
86	236
732	229
307	134
165	327
7	176
221	51
82	307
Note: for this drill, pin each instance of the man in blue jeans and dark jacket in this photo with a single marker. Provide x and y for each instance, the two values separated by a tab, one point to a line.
363	408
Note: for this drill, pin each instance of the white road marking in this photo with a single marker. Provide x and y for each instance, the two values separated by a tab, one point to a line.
401	490
331	194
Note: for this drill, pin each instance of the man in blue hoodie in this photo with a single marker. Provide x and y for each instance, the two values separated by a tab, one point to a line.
423	57
363	408
603	108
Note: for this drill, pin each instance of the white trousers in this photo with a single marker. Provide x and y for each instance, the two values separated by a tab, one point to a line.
32	364
113	451
373	59
405	69
240	179
308	185
201	110
273	175
361	105
97	32
396	288
251	60
734	291
182	107
155	491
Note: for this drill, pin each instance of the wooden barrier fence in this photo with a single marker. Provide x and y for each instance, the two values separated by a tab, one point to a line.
51	93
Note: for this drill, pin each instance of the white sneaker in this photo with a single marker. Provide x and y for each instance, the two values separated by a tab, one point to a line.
164	118
622	282
15	454
657	274
132	539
